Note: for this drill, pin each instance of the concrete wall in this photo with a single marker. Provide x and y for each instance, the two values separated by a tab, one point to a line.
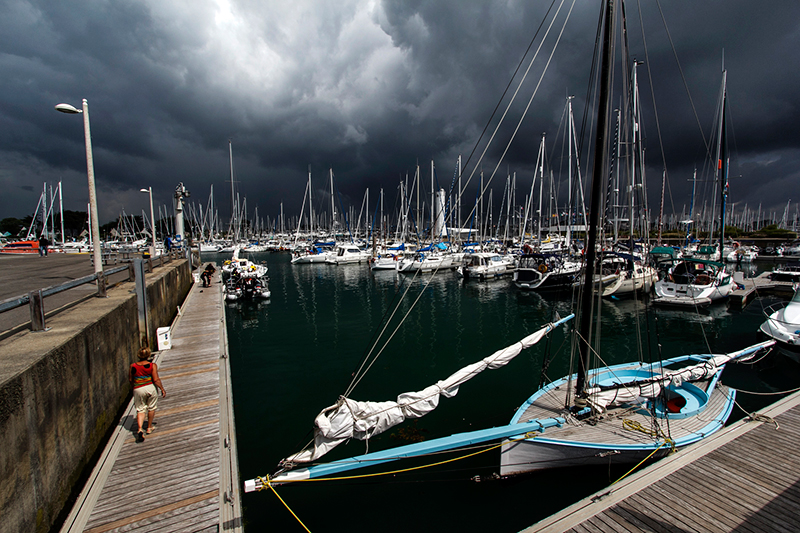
60	392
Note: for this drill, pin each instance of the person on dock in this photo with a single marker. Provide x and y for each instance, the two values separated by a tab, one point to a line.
144	378
207	273
43	244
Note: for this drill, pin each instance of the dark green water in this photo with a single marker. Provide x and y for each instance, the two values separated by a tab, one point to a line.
294	355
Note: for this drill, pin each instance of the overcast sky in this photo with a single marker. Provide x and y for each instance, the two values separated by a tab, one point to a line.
367	88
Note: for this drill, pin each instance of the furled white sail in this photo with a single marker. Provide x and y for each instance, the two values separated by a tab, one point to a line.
650	388
349	419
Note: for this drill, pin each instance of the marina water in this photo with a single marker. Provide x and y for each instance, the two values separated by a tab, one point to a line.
295	354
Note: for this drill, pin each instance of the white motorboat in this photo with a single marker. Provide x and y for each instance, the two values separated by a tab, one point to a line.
783	322
485	265
345	254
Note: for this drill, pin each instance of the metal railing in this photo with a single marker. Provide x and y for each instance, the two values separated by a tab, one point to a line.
35	299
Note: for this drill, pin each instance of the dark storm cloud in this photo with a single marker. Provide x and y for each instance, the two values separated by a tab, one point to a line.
366	88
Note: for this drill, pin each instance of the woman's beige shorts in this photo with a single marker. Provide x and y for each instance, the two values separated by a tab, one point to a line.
145	398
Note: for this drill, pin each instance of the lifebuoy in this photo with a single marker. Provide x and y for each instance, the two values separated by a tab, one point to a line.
542	268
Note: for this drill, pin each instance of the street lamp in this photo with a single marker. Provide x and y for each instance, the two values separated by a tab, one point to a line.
95	229
152	221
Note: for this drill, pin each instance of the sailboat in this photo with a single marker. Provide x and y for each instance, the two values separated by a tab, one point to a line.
695	281
619	413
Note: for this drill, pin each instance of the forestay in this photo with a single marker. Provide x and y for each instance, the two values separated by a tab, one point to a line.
349	419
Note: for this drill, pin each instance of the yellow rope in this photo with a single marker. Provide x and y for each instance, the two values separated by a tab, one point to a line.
632	425
528	435
265	482
642	461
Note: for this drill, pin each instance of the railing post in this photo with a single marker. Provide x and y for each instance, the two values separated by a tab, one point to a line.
37	310
101	284
141	302
150	265
131	272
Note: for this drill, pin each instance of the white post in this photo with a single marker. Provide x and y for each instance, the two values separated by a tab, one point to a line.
61	211
152	224
95	230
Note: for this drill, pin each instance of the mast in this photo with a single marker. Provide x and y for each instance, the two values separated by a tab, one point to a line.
722	164
599	163
333	208
233	194
570	133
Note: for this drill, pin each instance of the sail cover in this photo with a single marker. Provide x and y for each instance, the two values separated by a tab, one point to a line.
349	419
601	397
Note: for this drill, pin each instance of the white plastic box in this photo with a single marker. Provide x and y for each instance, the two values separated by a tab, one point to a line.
164	342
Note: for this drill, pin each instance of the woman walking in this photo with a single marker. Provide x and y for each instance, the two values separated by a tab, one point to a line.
144	379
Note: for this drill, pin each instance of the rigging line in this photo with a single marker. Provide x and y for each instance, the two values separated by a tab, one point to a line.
530	101
510	81
402	321
513	98
358	375
395	306
653	97
683	78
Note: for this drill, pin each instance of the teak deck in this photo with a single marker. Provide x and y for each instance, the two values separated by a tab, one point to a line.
744	478
184	476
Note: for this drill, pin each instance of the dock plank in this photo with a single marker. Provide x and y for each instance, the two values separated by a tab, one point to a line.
745	478
182	476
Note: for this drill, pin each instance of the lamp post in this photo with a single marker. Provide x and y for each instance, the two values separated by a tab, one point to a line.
152	221
95	229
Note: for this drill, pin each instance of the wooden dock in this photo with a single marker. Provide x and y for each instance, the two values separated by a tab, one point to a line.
761	284
744	478
184	476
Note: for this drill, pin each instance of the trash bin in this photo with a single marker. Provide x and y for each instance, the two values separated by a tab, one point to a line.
164	342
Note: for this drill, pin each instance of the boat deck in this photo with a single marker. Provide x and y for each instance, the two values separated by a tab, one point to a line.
743	478
610	430
184	476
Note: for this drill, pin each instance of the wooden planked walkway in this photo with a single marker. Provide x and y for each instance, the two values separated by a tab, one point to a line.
744	478
184	476
751	287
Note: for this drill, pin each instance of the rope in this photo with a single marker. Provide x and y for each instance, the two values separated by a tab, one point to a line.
758	417
265	482
528	435
632	425
643	460
790	391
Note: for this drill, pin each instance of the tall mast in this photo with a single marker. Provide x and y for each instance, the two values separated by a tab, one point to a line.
433	202
599	164
333	208
721	168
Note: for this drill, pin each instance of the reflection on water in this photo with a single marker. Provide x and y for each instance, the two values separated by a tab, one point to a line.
294	355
